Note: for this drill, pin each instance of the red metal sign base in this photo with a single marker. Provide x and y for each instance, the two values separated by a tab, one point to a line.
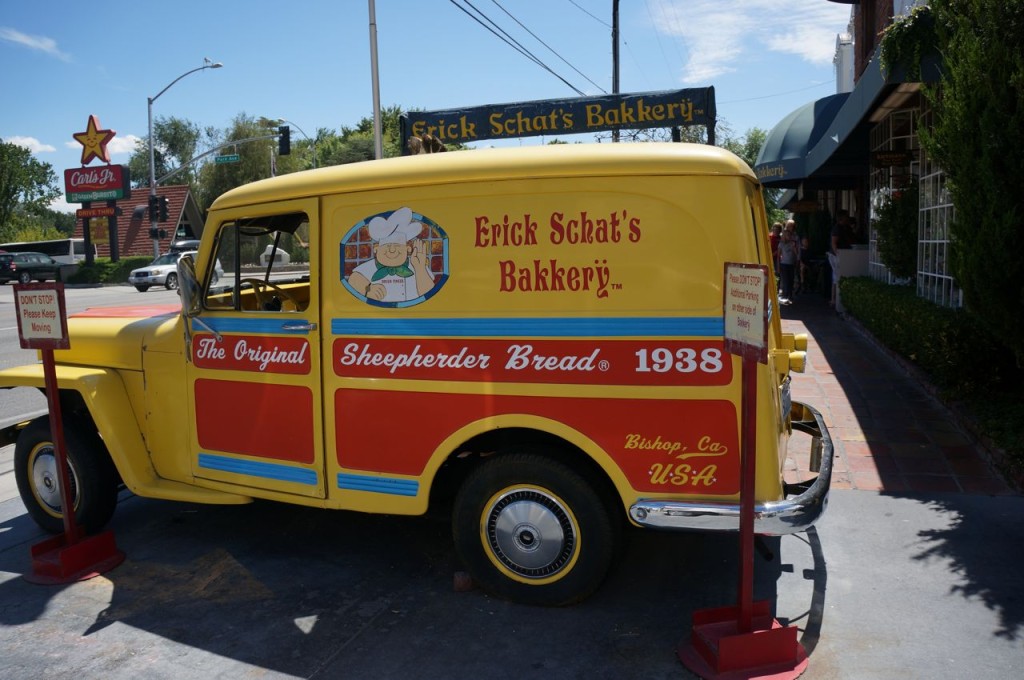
54	561
717	650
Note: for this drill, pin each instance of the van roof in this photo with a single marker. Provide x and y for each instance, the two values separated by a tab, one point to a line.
555	160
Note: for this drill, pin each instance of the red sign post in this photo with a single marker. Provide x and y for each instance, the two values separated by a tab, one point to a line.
744	641
42	325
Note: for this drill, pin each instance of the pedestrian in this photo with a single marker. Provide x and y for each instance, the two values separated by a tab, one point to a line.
806	265
789	258
840	240
774	236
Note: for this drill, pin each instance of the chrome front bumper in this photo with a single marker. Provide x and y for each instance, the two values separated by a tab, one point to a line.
804	504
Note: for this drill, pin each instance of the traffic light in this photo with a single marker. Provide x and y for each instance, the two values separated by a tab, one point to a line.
163	208
153	233
154	208
284	140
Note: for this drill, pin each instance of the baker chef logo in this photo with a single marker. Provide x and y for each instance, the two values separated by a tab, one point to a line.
409	259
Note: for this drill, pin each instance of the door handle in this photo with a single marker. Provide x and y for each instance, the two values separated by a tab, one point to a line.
298	326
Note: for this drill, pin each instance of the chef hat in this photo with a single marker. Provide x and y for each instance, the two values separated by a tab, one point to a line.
399	227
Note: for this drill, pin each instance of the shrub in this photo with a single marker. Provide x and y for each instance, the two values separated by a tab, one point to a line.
957	352
105	271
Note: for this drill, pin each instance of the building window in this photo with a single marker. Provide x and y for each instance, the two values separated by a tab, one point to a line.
895	153
934	278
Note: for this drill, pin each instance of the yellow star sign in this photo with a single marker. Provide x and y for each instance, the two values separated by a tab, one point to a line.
94	141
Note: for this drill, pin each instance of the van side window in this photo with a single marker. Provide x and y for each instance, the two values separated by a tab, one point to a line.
265	262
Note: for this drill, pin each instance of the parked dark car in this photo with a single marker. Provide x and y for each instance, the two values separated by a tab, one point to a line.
24	267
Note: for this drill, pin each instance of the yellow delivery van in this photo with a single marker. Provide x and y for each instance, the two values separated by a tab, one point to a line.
530	338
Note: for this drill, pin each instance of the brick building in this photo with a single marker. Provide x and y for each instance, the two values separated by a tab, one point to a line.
185	221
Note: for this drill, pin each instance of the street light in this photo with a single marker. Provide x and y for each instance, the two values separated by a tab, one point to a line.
303	132
152	159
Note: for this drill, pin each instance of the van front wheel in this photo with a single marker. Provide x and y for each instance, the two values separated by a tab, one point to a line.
92	476
532	530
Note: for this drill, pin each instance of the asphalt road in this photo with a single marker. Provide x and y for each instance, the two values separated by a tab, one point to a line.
885	587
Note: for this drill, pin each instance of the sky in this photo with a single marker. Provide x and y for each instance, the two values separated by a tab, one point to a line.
309	61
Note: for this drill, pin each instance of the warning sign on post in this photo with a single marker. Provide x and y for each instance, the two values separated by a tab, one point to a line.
745	308
42	319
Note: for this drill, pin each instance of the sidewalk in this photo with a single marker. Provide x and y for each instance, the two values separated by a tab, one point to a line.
890	433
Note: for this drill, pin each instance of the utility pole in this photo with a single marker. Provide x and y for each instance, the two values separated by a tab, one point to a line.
378	138
615	56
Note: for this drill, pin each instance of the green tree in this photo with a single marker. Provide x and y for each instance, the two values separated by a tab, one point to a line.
254	159
748	147
176	140
355	144
978	139
27	185
31	230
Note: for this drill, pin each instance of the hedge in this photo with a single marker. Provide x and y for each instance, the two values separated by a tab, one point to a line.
950	345
960	357
105	271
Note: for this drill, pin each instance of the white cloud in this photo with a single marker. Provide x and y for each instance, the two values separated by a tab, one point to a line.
719	35
123	144
34	42
30	143
61	205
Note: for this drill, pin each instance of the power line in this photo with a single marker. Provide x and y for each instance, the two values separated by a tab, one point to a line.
548	46
512	42
657	36
636	63
677	29
582	9
777	94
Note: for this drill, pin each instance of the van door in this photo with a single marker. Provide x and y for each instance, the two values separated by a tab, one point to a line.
254	373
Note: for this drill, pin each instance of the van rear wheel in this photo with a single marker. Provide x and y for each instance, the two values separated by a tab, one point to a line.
92	476
532	530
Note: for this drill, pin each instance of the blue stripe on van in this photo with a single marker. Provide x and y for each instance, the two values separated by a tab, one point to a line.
701	326
252	468
373	484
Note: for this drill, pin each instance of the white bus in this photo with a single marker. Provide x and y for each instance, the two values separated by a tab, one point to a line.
64	250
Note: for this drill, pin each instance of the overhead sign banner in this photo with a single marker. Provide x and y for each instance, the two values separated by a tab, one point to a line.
100	183
673	108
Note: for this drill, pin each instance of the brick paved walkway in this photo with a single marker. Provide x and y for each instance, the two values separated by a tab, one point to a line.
889	433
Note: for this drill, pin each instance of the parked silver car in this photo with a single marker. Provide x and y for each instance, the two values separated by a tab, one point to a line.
163	271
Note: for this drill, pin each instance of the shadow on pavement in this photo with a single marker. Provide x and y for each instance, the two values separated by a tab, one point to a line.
986	550
894	437
316	593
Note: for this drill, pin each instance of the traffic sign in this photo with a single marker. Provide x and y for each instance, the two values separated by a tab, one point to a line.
229	158
84	213
745	310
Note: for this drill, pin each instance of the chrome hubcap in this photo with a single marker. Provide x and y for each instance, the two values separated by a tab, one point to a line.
531	533
46	480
